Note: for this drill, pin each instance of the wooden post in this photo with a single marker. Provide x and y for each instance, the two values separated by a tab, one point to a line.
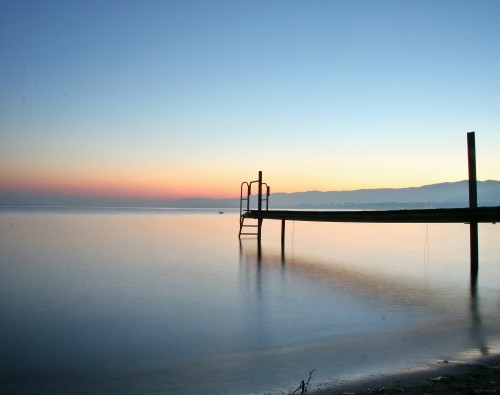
474	253
248	195
282	236
259	202
474	242
259	208
471	150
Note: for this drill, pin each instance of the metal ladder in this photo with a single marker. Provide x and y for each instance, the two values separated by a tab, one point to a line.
245	193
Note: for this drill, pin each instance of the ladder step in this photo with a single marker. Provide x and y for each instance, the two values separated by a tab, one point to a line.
251	226
249	234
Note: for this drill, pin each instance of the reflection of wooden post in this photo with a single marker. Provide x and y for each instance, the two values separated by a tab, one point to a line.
474	250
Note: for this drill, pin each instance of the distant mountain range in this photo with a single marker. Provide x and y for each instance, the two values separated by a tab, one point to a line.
443	195
448	194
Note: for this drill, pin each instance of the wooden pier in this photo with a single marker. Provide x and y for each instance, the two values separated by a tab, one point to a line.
438	215
471	215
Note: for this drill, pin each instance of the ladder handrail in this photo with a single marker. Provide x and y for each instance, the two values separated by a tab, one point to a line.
249	193
247	186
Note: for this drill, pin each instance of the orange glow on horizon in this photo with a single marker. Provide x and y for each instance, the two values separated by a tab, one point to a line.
169	188
149	187
164	183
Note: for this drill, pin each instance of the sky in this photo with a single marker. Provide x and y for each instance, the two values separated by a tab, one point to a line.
170	99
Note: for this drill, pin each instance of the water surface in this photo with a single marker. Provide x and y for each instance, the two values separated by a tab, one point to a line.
169	301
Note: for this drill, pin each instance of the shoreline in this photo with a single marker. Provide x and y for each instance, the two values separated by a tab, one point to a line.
474	376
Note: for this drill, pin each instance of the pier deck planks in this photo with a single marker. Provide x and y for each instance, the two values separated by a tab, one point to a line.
438	215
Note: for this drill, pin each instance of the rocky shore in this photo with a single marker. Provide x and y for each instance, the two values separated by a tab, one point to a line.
481	376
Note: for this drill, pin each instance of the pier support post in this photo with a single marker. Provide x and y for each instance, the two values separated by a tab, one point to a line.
282	236
474	249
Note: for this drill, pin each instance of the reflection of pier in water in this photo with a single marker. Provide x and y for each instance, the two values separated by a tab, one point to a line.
471	215
462	309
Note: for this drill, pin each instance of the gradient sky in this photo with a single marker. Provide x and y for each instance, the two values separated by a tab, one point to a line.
167	99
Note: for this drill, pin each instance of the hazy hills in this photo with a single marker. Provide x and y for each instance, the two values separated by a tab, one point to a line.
448	194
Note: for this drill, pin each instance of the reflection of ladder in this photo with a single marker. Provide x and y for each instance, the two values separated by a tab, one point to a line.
245	193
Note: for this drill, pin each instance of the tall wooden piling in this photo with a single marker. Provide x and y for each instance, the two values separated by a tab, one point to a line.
471	154
474	248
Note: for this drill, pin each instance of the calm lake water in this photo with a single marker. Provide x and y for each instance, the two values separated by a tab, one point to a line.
170	302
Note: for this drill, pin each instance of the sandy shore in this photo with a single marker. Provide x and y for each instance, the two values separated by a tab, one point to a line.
481	376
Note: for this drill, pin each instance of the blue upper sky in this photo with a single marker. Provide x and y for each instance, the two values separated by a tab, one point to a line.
191	97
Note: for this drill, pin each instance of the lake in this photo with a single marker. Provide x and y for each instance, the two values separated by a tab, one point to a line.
166	301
